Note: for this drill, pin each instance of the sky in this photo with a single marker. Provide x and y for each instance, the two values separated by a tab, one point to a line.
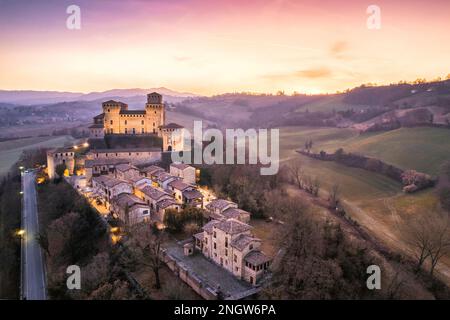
215	46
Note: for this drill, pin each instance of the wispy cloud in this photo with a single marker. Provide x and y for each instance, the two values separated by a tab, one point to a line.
338	49
312	73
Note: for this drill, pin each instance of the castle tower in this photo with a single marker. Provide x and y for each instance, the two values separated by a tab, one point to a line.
173	138
56	157
155	113
111	110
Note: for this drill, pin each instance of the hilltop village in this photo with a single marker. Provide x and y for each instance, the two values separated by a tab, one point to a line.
137	184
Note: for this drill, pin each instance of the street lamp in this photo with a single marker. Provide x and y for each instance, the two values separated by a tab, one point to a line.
20	232
21	168
85	144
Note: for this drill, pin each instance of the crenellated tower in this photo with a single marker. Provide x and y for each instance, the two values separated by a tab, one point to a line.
155	113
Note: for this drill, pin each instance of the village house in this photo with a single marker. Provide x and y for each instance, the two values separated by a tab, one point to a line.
150	171
162	179
230	244
126	172
140	181
97	167
158	200
220	209
107	187
184	171
185	193
130	209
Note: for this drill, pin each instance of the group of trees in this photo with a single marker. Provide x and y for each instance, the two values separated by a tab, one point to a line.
243	184
316	260
302	180
10	209
429	236
189	219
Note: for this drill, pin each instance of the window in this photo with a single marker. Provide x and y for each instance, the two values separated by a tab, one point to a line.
126	130
215	235
142	122
145	212
111	122
235	258
250	247
226	252
215	247
237	269
126	122
226	242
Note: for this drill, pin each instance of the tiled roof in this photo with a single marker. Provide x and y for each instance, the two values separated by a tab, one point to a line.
125	167
163	176
219	204
199	236
101	162
234	213
180	166
152	169
100	116
256	258
232	226
208	227
179	185
123	200
163	204
108	181
172	126
242	241
154	193
192	194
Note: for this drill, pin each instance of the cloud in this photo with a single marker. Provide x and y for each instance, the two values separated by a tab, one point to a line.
181	58
314	73
338	49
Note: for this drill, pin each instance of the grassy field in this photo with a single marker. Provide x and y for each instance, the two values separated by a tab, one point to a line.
329	104
12	149
422	148
375	201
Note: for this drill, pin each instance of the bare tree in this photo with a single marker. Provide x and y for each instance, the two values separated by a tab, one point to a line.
419	237
297	173
334	196
429	237
440	244
144	248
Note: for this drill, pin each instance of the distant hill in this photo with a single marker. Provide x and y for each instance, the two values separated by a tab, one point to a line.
366	108
31	97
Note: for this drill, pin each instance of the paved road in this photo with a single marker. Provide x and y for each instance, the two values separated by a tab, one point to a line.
34	287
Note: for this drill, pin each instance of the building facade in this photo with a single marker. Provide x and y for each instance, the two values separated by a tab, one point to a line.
56	157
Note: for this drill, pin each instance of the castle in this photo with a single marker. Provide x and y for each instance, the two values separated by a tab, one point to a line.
117	119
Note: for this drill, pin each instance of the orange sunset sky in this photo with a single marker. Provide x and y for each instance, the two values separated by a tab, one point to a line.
210	47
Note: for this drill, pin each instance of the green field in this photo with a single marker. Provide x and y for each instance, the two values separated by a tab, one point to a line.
423	148
12	149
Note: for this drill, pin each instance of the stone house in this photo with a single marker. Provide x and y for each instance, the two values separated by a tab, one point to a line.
107	187
126	172
230	244
184	171
138	210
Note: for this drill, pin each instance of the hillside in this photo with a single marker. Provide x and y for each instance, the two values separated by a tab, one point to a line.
363	108
421	148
